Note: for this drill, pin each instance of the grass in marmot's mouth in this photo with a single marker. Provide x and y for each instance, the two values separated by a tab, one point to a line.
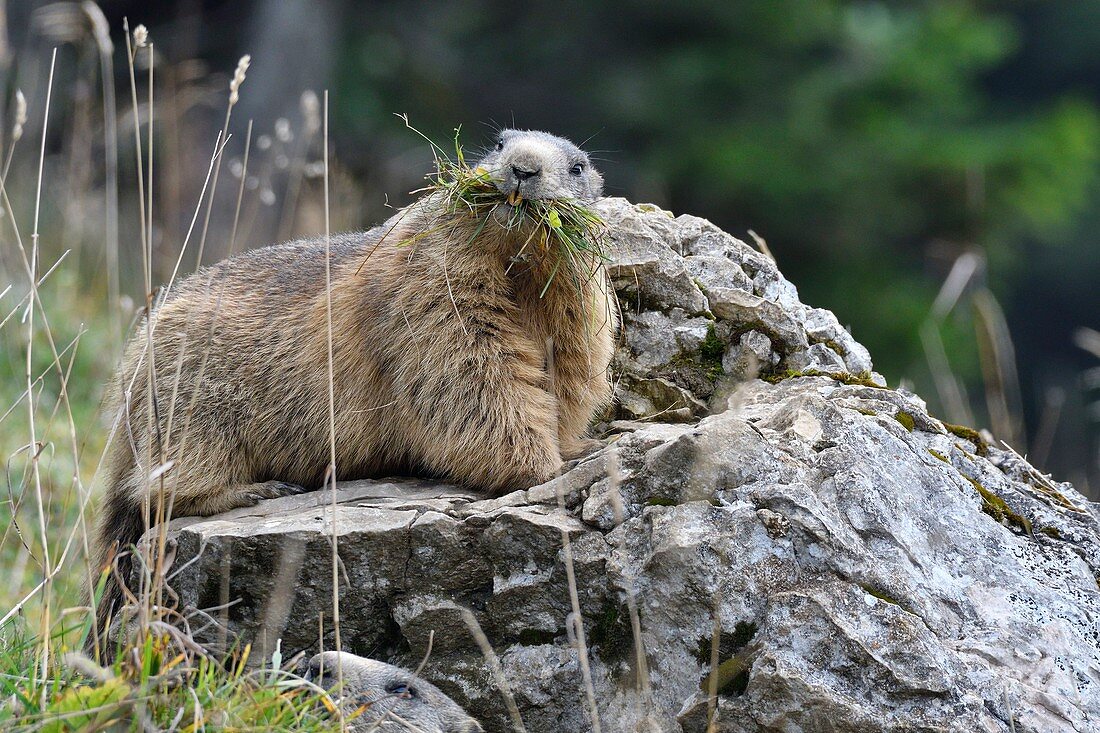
565	227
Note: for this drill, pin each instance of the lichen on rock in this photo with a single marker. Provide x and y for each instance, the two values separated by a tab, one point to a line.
896	573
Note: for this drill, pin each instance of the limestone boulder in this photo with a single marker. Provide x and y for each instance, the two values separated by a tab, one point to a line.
772	539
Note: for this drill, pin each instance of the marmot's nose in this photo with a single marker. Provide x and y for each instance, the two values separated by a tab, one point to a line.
523	175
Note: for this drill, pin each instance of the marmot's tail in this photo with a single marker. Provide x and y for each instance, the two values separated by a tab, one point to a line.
120	528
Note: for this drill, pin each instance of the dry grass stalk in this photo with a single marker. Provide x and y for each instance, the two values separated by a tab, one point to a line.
140	39
311	124
234	96
105	50
575	621
34	447
495	669
996	353
330	477
240	191
998	361
643	684
951	391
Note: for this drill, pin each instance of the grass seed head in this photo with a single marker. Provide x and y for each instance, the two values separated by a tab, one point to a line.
141	36
238	79
20	115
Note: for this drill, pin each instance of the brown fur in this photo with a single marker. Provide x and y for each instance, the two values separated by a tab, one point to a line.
440	355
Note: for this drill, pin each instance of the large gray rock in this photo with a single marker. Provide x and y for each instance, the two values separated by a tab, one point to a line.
849	562
703	311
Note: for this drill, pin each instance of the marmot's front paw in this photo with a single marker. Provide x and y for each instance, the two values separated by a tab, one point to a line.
541	476
252	494
580	448
534	465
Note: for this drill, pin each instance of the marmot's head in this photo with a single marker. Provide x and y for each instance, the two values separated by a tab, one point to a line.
538	165
391	698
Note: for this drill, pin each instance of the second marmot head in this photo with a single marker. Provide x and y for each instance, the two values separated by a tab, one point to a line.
387	698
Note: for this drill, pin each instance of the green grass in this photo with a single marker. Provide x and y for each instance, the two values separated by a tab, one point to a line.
151	685
564	228
149	680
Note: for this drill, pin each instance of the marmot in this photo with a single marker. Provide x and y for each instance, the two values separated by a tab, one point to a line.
442	340
390	698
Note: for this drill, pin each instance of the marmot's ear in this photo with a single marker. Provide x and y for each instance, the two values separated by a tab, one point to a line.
599	182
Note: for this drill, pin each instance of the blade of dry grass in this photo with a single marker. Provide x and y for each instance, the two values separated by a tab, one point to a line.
311	124
105	49
1088	340
1054	398
951	391
998	360
495	668
643	684
44	656
576	621
219	147
240	191
234	92
331	473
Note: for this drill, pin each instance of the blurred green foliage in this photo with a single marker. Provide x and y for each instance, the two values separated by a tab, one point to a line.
861	139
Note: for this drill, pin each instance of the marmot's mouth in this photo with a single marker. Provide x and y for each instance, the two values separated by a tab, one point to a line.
515	198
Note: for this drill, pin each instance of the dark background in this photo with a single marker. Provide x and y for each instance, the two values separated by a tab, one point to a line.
872	144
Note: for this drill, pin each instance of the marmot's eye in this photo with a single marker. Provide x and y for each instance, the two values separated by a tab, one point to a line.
401	690
577	169
500	144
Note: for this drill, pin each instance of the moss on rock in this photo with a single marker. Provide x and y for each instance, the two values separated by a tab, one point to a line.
999	509
863	379
969	434
906	420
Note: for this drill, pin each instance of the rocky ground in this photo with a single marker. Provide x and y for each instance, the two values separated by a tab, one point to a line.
771	531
